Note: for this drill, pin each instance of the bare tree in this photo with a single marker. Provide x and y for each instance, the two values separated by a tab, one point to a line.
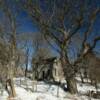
12	47
59	22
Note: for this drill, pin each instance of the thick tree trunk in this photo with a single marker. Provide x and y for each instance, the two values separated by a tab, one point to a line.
71	83
9	82
71	86
10	88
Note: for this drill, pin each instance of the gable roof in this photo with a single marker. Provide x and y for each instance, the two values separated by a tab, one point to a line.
45	61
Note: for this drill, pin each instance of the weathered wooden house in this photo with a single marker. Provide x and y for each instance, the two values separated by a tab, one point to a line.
48	69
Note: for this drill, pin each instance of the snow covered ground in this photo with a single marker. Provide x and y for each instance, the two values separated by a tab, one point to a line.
44	91
86	87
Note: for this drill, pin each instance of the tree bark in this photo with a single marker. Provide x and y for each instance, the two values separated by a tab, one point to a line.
71	82
26	71
10	88
72	86
81	76
10	83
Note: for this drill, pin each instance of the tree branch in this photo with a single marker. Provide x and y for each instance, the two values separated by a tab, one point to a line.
95	42
51	44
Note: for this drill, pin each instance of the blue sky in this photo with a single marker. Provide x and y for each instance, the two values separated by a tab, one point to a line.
26	24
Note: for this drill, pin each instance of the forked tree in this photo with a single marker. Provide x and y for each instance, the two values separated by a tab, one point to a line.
60	21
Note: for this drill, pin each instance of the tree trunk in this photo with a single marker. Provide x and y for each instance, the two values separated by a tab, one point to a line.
71	86
81	76
10	88
9	83
26	71
71	83
27	58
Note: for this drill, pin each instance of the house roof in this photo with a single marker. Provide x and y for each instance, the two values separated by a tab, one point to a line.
45	61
